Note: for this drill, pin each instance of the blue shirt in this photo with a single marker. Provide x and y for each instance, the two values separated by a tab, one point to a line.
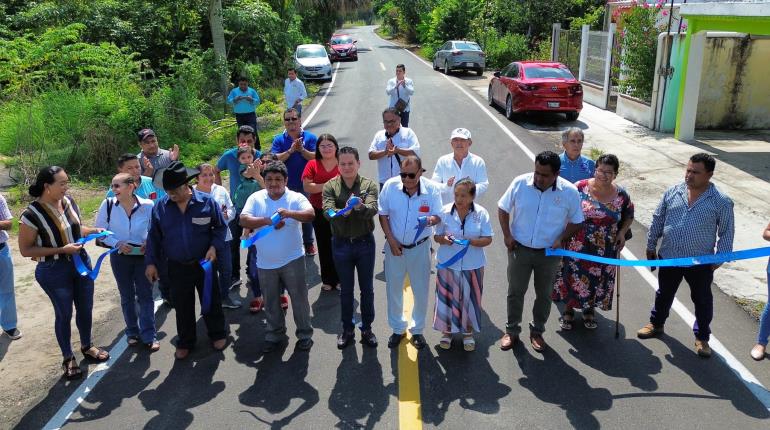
243	105
691	231
295	164
229	161
145	190
185	237
573	171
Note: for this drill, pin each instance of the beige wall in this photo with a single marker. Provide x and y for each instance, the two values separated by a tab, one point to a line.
735	84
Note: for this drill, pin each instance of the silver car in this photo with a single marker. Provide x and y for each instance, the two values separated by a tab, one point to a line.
459	55
312	62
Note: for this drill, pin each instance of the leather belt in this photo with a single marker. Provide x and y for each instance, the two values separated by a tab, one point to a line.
419	242
363	238
529	248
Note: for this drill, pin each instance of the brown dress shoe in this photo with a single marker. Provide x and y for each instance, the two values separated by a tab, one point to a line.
538	344
508	341
702	348
649	330
219	344
181	353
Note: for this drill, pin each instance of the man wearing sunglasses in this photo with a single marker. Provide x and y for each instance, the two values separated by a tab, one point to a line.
391	145
408	208
295	147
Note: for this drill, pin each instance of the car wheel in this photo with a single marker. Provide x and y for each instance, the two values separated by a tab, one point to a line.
572	116
479	72
490	99
509	108
435	67
446	67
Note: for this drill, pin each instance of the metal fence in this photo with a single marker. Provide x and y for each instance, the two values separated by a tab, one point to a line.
596	60
569	49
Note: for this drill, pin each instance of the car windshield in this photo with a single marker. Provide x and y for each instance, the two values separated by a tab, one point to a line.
312	52
548	72
468	46
342	40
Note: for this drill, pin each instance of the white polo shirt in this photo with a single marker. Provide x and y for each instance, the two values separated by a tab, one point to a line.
472	167
539	217
476	225
403	210
279	247
388	167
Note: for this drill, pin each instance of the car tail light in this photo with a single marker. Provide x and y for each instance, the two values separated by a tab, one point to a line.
576	89
456	53
527	87
482	55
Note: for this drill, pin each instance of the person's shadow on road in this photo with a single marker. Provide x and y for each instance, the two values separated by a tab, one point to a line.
350	400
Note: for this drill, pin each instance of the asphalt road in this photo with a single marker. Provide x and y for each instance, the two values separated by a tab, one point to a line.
585	380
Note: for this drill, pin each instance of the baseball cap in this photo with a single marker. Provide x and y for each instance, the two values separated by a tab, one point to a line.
462	133
145	133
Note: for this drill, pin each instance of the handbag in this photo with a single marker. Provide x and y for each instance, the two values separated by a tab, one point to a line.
401	104
628	234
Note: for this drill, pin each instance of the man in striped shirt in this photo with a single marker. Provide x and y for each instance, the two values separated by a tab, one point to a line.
693	218
152	158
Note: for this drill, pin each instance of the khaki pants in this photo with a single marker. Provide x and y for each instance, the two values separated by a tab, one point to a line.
521	263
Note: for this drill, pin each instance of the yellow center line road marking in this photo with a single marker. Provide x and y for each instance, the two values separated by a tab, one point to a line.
382	66
409	411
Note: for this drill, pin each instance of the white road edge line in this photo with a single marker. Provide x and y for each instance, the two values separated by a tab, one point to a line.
744	375
80	394
382	66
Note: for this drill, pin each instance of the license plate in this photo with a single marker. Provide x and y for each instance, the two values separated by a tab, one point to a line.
342	54
553	104
468	64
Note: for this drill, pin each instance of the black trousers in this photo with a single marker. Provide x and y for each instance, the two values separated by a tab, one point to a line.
184	280
235	247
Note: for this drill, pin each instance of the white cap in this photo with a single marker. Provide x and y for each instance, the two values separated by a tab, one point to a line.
462	133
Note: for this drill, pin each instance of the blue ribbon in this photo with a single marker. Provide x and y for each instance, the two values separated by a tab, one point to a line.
208	285
353	202
465	243
80	266
422	222
667	262
275	219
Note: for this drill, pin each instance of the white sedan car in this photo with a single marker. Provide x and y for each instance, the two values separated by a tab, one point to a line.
312	62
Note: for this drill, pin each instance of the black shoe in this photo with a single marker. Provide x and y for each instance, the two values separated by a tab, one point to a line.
345	338
167	303
368	339
418	341
395	339
305	344
269	346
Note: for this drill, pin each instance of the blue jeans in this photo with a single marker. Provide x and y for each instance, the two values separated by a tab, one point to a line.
349	257
134	287
7	293
224	266
764	321
307	227
65	287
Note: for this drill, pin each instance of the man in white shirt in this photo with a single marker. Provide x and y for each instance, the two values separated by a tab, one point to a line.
294	91
539	210
401	88
460	164
391	145
281	254
409	206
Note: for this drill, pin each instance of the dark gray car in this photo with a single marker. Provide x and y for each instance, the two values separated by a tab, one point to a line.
459	55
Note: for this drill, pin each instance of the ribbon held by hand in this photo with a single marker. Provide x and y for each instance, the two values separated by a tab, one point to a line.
422	222
80	266
465	243
274	219
208	285
666	262
353	202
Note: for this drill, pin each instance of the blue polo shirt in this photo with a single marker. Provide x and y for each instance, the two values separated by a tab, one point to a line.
185	237
145	190
295	164
573	171
243	106
229	161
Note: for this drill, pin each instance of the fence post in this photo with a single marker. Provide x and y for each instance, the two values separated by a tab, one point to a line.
583	51
555	33
608	65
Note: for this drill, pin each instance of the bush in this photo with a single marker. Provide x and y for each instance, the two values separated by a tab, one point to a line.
503	50
638	41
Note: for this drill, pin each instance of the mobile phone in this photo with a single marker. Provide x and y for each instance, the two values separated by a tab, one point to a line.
136	250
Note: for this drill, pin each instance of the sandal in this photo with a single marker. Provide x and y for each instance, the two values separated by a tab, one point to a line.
446	341
93	353
71	369
565	321
588	320
154	346
133	340
469	344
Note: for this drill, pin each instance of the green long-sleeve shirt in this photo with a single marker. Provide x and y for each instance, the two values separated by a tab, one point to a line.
358	222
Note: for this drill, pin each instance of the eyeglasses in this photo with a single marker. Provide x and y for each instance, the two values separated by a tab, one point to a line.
408	175
292	119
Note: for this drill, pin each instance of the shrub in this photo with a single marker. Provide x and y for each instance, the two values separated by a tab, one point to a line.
503	50
638	41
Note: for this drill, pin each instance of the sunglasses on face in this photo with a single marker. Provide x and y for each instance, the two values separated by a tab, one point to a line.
292	119
408	175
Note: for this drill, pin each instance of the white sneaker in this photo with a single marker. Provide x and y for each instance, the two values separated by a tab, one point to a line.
13	333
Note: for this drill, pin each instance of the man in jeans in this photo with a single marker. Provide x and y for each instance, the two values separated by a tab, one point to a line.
7	292
281	254
539	210
693	218
353	243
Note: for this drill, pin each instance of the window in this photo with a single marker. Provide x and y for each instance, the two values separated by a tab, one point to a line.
548	73
513	72
467	46
342	40
311	52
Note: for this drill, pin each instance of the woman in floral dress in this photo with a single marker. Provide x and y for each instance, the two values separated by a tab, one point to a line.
608	212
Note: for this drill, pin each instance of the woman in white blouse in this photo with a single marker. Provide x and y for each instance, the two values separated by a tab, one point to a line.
460	271
224	258
128	217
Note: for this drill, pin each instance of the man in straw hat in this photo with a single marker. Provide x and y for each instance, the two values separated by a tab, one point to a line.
187	228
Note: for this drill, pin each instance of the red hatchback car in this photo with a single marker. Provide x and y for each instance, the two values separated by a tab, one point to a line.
342	47
525	86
